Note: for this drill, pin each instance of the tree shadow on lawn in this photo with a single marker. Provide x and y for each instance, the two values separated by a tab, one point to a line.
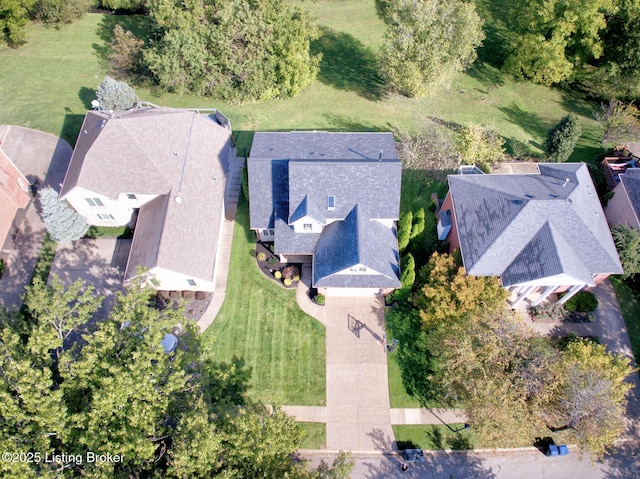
347	64
345	123
528	121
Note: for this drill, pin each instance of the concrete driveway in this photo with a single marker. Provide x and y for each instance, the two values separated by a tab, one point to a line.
43	158
358	414
99	262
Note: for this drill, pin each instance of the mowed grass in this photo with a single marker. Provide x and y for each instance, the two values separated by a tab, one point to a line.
434	437
261	323
315	435
48	83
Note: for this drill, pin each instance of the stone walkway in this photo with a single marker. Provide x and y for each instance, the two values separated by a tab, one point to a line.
358	416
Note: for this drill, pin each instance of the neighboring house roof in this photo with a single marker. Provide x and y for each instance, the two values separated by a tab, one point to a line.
525	227
631	183
178	154
291	177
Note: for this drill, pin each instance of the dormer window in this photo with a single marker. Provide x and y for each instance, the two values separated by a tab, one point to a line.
131	196
331	202
94	201
307	227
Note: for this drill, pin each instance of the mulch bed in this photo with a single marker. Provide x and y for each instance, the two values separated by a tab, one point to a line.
272	263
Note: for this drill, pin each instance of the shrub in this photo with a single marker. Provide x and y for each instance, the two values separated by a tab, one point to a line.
548	312
287	281
582	302
432	206
115	95
261	256
1	267
245	183
320	299
126	52
273	261
296	278
562	138
290	272
278	274
62	222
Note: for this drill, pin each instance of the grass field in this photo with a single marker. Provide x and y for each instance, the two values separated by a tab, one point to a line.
261	323
48	83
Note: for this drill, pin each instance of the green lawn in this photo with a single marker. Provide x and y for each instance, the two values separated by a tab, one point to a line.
48	83
434	437
261	323
630	308
315	435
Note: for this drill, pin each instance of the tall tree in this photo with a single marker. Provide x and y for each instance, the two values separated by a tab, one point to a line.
237	50
627	241
552	36
590	395
480	146
427	42
619	121
449	292
562	138
14	16
63	223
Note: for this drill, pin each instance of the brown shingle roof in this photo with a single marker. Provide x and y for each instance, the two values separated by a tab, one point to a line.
170	152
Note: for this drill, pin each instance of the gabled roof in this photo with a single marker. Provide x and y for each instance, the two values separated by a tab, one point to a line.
356	240
631	183
360	168
178	154
524	227
292	175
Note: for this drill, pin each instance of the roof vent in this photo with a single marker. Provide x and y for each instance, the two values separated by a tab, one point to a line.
529	196
516	202
566	180
178	200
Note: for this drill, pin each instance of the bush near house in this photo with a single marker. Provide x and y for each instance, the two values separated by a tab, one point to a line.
582	302
1	267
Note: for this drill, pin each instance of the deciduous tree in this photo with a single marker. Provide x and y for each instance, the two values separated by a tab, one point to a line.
480	146
449	292
427	42
14	15
589	400
552	36
619	121
432	149
237	50
562	138
126	52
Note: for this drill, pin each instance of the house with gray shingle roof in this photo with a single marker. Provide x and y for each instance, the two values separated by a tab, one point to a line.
163	169
541	233
332	199
624	206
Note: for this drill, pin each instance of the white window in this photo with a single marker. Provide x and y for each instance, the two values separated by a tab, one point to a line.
94	201
362	268
105	216
191	282
307	227
131	196
331	202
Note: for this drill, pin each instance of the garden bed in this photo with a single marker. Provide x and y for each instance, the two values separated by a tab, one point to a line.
285	274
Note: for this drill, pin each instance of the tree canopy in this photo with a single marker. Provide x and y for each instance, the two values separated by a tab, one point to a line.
115	95
480	146
427	42
237	50
70	384
551	37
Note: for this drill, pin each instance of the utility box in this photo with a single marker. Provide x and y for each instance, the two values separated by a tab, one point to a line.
553	450
563	450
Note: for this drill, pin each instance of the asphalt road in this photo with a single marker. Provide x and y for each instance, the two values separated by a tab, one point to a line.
510	464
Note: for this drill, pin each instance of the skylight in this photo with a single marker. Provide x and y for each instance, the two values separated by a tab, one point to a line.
331	202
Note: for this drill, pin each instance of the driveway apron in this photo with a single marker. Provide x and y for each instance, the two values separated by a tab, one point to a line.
358	415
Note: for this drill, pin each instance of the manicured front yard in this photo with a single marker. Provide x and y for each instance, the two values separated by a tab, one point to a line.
434	437
315	435
261	323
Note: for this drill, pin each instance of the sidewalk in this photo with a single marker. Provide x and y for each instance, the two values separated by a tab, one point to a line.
232	194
